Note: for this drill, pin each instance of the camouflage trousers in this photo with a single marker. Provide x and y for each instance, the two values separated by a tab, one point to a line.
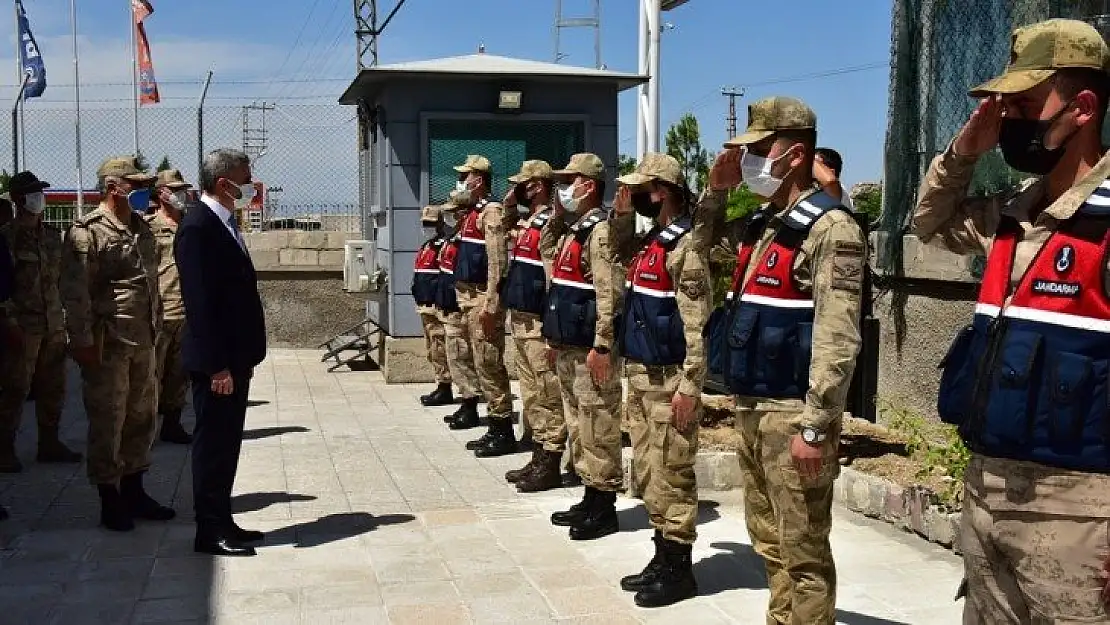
489	360
593	415
173	382
542	413
1034	541
662	457
435	343
789	517
39	363
460	360
121	401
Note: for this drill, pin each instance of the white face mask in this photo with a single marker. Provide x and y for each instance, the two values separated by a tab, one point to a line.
429	231
567	199
757	174
246	194
35	203
177	200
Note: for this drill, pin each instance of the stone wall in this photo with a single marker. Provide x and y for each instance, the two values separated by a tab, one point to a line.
292	250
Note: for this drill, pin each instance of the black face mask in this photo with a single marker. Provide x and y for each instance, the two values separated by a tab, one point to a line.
644	205
1022	143
521	193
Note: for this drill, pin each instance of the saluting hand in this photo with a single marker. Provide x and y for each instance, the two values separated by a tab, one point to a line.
726	173
980	133
622	202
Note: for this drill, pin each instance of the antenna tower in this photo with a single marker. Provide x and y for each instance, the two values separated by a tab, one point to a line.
593	21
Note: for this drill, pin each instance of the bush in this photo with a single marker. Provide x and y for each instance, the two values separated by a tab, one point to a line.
938	446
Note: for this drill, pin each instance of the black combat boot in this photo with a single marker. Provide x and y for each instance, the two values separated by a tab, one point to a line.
516	475
172	432
526	442
502	440
570	478
140	504
442	396
600	519
636	583
466	416
675	580
545	476
113	511
52	450
577	512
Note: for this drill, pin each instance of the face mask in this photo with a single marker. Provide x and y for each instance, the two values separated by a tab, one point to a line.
246	194
429	231
523	202
567	199
757	173
177	200
644	205
1022	143
139	200
35	203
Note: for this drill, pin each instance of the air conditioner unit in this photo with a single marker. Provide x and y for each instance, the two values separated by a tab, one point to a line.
358	266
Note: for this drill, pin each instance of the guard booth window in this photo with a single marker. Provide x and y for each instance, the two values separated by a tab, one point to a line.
506	143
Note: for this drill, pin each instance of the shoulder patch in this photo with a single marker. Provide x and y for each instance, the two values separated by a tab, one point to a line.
808	211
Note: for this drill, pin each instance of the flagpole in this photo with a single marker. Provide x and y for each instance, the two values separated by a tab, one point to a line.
77	119
134	75
17	130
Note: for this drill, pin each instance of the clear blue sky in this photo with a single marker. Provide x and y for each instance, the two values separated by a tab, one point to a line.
714	43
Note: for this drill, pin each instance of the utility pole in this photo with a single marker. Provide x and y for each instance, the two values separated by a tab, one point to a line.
367	31
255	136
732	93
592	21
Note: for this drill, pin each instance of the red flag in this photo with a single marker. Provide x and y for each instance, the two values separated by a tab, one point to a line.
148	85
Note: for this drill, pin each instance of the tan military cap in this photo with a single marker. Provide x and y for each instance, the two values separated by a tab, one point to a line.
1038	50
585	164
530	170
434	213
123	167
655	166
473	163
173	179
770	115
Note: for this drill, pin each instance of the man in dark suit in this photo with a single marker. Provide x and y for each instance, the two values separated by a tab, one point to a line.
225	338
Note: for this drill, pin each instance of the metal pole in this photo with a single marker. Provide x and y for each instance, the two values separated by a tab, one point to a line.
134	74
200	123
77	119
15	126
597	33
655	26
642	90
19	48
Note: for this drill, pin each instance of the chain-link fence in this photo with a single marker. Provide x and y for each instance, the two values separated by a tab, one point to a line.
940	49
304	156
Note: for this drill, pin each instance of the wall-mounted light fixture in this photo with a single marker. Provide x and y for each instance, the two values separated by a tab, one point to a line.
509	100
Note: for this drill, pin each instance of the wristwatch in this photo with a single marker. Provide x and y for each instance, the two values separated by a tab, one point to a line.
813	435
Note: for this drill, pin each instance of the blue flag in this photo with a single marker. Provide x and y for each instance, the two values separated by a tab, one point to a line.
29	57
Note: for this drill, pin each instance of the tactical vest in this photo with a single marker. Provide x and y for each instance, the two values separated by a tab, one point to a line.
717	325
526	284
472	264
770	329
1028	378
570	316
446	298
425	277
653	332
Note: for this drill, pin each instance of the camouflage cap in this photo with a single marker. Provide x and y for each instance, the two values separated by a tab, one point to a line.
474	162
433	213
770	115
655	166
123	167
531	170
173	179
584	164
1038	50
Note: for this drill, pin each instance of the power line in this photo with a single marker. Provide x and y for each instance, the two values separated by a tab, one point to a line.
312	52
304	26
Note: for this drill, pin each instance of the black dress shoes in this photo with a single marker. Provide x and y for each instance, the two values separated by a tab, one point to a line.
245	536
222	546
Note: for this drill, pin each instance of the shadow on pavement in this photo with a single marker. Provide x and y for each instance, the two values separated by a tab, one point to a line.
739	567
251	502
253	435
847	617
333	527
251	403
634	519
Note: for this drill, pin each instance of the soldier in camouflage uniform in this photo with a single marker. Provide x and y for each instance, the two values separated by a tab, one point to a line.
460	360
667	303
479	269
34	327
425	283
113	313
582	309
170	194
1026	380
793	338
524	295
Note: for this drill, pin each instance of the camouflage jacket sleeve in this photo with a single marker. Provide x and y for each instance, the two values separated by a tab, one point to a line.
711	232
551	234
608	284
836	249
497	253
945	216
695	299
78	275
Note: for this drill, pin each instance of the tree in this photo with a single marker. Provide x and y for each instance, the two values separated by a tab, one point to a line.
165	164
741	203
684	144
869	201
625	164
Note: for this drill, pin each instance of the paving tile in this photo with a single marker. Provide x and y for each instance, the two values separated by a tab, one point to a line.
409	593
423	613
515	608
588	600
